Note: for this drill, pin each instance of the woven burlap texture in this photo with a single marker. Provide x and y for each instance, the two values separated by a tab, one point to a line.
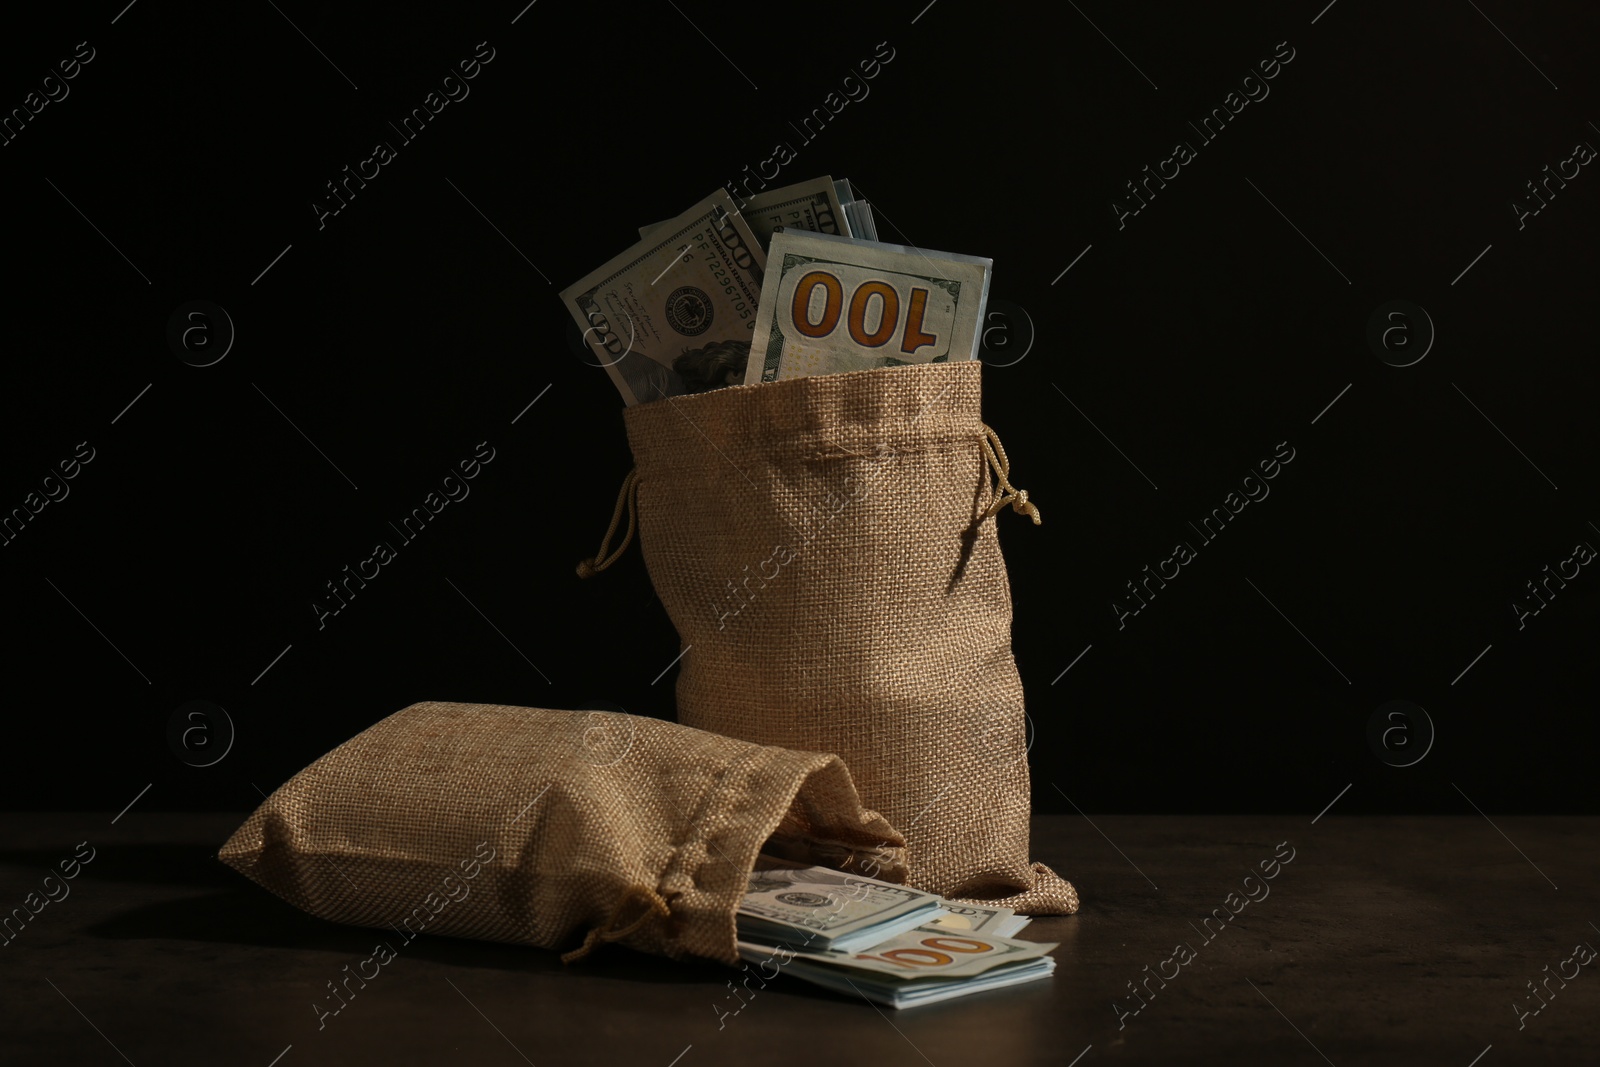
531	825
821	546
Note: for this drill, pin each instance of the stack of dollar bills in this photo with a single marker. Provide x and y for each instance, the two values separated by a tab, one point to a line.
787	283
888	943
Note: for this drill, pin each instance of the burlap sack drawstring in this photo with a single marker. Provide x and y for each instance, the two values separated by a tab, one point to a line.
1000	465
627	498
610	931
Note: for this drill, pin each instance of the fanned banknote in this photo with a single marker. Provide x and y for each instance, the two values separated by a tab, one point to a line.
857	213
693	284
812	205
834	304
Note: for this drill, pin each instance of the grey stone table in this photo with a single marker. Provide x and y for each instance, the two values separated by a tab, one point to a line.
1382	941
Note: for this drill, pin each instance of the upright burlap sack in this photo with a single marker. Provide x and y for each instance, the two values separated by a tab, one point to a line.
528	825
826	548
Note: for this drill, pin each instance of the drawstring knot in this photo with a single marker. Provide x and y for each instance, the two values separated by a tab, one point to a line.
610	930
1005	492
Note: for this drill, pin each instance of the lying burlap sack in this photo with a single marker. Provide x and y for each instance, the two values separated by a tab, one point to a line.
526	825
824	546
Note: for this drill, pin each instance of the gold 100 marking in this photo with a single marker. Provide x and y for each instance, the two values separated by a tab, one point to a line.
833	306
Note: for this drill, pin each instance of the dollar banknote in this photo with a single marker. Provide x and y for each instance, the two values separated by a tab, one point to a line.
981	919
811	205
862	222
832	304
930	951
820	907
908	992
690	287
857	212
887	951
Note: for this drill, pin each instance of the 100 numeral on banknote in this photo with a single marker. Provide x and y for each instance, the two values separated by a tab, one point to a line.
837	304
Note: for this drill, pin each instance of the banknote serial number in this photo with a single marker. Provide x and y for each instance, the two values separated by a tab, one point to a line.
732	289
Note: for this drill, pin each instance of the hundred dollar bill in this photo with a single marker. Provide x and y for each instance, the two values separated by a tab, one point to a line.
897	992
695	282
980	919
834	304
929	951
812	205
827	909
650	228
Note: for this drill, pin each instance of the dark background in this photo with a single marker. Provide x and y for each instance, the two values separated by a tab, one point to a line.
1197	337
